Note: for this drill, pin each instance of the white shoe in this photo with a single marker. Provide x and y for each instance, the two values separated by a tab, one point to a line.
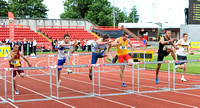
183	79
176	67
16	92
59	83
69	71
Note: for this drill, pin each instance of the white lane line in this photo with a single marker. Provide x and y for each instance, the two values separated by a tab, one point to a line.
167	101
10	103
187	93
43	95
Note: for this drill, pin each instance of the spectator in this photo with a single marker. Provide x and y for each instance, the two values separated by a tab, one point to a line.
53	43
30	47
19	25
7	41
34	46
25	47
78	42
20	45
82	44
12	44
3	24
144	41
1	43
89	44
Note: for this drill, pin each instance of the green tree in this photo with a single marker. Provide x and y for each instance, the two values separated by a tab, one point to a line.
130	17
3	8
28	8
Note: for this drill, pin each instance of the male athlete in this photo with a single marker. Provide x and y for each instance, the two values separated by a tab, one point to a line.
14	61
98	51
165	49
122	53
183	45
63	54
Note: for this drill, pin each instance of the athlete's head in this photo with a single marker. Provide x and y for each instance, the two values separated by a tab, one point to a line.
168	33
106	38
15	47
66	38
125	36
185	36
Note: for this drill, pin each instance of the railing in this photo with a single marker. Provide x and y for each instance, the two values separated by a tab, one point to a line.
16	26
59	27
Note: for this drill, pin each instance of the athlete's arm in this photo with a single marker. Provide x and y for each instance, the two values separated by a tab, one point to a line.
63	44
171	42
25	59
109	46
179	42
116	42
10	58
132	48
99	42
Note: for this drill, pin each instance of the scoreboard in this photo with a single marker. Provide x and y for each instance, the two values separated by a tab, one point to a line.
194	12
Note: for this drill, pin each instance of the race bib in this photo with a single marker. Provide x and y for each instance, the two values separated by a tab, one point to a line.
123	47
185	48
99	50
165	47
66	51
15	62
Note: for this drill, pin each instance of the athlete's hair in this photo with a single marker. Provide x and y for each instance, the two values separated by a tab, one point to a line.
167	30
106	36
184	34
66	35
124	34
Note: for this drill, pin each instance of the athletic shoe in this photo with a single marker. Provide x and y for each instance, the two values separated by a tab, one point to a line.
114	60
16	92
90	76
157	81
69	71
176	66
123	85
177	63
59	83
183	79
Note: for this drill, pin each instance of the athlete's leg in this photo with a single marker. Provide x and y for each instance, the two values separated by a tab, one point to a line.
106	54
93	61
170	50
157	69
122	73
67	60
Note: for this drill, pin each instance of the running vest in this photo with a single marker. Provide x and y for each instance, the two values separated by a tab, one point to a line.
122	48
62	51
165	46
183	48
99	48
16	61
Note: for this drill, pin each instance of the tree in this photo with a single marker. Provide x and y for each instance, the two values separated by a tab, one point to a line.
3	8
28	8
130	17
97	11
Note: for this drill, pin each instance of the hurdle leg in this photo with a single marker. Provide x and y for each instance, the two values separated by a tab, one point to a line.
169	76
77	62
74	62
50	81
174	70
53	64
0	71
5	85
99	84
138	77
12	85
133	78
92	80
57	89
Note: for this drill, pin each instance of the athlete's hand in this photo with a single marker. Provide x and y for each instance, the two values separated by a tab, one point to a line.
176	48
172	39
110	41
131	54
72	52
29	65
191	53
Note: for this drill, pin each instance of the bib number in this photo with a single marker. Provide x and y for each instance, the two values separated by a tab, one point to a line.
123	47
99	50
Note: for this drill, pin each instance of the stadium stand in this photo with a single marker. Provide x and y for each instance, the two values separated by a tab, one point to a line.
20	33
76	32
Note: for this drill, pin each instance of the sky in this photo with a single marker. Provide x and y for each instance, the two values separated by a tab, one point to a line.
162	11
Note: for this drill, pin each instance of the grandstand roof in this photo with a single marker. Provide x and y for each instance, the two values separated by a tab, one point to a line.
139	25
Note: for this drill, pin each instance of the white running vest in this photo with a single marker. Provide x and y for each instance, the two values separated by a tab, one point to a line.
182	48
62	51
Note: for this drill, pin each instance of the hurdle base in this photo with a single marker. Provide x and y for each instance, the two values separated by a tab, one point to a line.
1	77
72	97
3	100
30	100
129	91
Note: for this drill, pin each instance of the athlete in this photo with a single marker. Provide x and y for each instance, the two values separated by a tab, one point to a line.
63	54
122	53
14	61
98	51
183	45
165	49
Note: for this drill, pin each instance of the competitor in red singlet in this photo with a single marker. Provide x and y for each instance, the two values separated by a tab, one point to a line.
14	61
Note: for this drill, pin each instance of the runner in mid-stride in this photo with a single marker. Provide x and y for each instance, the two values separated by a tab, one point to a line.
14	61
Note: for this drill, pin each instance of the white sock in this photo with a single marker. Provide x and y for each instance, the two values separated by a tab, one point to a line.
182	76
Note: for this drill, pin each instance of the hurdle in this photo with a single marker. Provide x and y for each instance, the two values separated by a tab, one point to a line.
84	95
184	86
12	99
4	100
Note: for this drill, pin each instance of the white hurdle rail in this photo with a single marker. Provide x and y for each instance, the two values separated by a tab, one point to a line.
28	100
85	95
4	100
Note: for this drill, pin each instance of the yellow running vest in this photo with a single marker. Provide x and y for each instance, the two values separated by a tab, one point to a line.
16	61
122	48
